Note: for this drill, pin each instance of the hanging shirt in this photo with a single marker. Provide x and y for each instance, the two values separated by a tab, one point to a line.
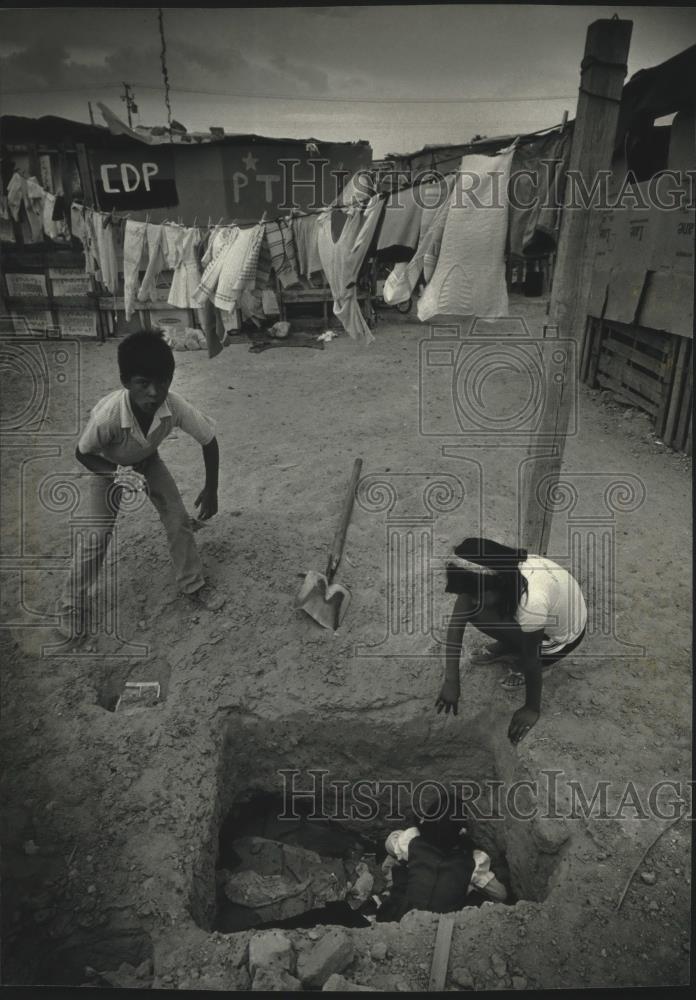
186	271
402	281
342	259
113	431
305	232
401	223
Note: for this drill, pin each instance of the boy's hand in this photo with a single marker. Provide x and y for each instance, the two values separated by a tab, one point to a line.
207	501
520	724
448	698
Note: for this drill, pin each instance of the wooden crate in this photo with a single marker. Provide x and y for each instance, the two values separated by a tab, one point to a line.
650	369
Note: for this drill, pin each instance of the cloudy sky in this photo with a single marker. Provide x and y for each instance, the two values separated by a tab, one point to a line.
398	76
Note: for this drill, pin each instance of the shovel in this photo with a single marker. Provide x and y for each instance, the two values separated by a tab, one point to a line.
323	600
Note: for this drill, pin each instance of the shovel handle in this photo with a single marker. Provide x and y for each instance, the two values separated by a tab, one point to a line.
339	538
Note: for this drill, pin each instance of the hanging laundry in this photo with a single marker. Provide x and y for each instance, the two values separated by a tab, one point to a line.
33	202
16	193
90	243
469	278
133	247
305	231
49	226
342	259
281	243
155	263
59	208
239	270
106	251
214	257
77	222
231	271
172	239
357	191
401	224
186	272
263	267
400	284
7	234
539	169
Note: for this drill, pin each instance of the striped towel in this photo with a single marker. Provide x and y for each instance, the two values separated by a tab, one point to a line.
281	244
238	268
221	243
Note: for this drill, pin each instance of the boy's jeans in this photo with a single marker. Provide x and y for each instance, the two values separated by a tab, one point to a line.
165	496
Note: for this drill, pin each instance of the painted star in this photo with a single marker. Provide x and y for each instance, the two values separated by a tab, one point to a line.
250	161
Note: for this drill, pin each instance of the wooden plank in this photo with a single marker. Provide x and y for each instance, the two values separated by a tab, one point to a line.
596	354
646	385
684	420
590	332
683	360
607	382
667	381
655	339
634	355
85	301
602	73
443	943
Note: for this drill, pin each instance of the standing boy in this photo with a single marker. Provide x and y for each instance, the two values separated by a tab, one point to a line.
126	428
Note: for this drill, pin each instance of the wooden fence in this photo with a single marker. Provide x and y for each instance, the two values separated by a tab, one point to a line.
650	369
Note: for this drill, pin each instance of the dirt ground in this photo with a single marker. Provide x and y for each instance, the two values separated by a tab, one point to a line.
110	819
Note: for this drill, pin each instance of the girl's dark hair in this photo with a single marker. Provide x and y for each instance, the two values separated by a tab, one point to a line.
508	581
147	354
443	828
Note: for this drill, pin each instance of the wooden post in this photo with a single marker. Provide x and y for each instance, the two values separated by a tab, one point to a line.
602	74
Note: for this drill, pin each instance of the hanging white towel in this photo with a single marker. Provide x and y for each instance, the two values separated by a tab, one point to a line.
469	278
133	246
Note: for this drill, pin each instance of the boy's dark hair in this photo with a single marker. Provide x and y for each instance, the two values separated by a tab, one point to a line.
508	581
147	354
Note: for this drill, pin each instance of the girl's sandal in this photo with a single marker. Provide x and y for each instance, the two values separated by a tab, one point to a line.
515	680
512	681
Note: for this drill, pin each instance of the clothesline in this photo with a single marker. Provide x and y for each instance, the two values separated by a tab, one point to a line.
119	217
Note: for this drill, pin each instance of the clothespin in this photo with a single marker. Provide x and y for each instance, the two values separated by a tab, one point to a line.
195	220
263	218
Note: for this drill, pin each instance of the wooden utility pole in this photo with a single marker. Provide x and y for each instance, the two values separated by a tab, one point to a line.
602	75
131	106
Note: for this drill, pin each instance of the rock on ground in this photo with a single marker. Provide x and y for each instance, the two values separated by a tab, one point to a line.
332	954
336	983
270	950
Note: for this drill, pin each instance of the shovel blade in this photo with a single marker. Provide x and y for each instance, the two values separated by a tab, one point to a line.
325	603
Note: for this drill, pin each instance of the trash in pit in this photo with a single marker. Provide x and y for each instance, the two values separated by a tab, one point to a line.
138	694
